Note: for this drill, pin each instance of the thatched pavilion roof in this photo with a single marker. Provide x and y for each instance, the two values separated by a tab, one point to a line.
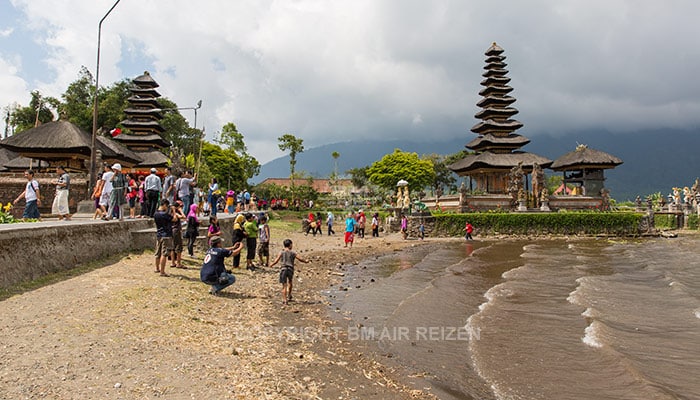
59	140
491	161
585	158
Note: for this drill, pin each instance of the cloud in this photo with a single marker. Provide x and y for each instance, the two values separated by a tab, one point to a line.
334	71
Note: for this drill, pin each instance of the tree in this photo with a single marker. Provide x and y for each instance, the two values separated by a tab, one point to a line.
398	165
335	156
77	100
443	175
38	111
358	176
231	138
294	146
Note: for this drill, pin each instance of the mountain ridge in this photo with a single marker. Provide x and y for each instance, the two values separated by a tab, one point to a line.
654	160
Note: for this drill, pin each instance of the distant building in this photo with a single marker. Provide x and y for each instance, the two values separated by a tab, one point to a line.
341	187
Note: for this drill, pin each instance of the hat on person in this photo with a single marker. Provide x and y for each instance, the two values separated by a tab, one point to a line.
216	240
117	166
154	170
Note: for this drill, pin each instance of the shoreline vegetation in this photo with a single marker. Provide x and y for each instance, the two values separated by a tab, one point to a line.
115	329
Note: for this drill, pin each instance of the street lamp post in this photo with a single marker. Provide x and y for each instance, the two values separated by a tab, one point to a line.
195	108
93	157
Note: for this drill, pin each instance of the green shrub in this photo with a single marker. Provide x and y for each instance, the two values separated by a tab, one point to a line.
665	221
693	221
587	223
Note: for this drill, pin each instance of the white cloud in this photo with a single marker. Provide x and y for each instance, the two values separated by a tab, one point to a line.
332	71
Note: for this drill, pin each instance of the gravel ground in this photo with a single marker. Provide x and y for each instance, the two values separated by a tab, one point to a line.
124	332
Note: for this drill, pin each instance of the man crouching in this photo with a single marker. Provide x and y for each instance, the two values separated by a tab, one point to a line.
213	271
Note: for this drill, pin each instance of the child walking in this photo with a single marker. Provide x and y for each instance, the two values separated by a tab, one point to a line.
287	258
264	245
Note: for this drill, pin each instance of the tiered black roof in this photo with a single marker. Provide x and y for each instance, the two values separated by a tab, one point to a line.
497	146
143	116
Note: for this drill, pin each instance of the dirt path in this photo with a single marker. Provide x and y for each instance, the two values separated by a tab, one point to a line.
124	332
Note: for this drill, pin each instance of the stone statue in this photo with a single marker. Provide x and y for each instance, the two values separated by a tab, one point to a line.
399	198
406	197
515	182
687	198
462	195
676	196
605	196
538	183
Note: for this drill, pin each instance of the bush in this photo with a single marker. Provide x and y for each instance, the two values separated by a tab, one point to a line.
569	223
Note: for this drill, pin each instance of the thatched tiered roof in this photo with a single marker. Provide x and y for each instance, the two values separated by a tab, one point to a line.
63	140
585	158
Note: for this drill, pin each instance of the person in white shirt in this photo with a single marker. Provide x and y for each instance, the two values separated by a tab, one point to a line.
31	196
106	190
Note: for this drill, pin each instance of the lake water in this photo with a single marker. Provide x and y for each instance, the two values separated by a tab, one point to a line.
542	319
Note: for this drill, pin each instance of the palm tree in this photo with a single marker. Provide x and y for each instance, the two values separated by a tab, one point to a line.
295	146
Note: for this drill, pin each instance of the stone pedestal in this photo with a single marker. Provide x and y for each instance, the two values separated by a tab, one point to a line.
545	206
521	205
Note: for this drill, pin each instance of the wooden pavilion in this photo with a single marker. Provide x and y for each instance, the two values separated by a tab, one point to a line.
584	169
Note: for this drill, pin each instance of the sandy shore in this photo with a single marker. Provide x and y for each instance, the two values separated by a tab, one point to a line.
122	331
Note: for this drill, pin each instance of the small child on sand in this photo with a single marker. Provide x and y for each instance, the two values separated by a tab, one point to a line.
287	256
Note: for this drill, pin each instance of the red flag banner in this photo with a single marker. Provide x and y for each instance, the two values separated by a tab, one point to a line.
115	132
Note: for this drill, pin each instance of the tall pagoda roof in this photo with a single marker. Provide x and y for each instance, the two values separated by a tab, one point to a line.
488	141
585	158
152	139
145	81
152	159
488	161
144	92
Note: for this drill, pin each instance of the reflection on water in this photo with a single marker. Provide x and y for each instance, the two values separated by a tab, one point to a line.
553	318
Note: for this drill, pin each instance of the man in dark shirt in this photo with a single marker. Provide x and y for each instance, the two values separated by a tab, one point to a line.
164	219
213	271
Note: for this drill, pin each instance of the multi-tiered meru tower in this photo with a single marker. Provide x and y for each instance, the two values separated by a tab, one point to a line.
143	123
496	149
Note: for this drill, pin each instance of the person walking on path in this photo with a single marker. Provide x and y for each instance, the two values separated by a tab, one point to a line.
264	246
60	201
153	187
32	197
106	189
192	228
375	225
164	218
349	230
287	258
468	228
213	271
117	198
96	194
404	226
250	227
329	222
421	229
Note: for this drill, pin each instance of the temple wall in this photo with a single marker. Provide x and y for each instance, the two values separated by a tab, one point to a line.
13	183
31	250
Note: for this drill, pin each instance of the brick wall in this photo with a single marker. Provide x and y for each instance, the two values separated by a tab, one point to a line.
13	183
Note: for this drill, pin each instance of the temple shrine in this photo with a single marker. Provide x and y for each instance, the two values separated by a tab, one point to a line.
143	135
497	147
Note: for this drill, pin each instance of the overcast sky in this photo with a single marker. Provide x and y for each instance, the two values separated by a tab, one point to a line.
331	71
